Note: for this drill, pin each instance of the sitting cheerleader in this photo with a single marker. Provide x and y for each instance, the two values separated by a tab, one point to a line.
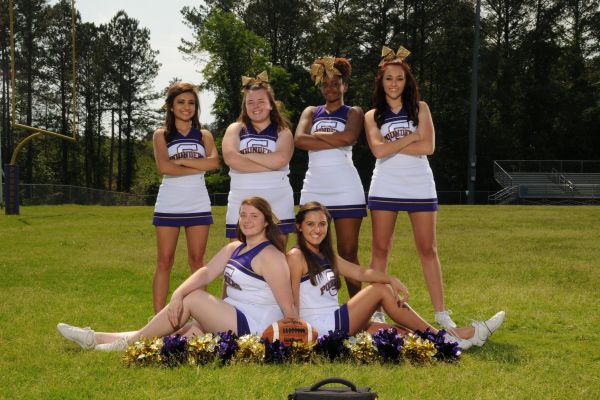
315	273
258	289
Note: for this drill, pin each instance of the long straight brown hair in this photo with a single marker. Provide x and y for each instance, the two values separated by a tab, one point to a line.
272	230
175	90
325	247
410	94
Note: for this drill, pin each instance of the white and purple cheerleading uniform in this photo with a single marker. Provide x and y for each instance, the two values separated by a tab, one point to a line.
401	182
273	186
331	178
183	200
248	293
319	304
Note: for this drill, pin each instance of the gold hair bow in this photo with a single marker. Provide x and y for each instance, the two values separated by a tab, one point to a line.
261	79
317	70
388	54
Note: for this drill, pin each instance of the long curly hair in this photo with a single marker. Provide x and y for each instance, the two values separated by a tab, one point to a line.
175	90
272	230
410	94
276	115
325	247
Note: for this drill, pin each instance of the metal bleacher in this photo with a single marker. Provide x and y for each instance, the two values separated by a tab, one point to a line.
547	182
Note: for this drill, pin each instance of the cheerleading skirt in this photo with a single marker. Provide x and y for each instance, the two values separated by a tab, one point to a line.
337	187
281	200
178	205
402	189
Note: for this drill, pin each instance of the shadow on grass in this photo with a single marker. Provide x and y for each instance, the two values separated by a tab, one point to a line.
498	353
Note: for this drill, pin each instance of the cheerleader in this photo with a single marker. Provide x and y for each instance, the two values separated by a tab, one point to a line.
400	134
183	152
315	272
257	148
328	132
258	290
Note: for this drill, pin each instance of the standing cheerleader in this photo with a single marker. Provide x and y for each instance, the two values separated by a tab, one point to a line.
258	148
328	132
401	135
183	152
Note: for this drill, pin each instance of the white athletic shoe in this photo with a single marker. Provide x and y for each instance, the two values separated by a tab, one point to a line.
442	318
462	343
118	345
378	316
85	337
484	329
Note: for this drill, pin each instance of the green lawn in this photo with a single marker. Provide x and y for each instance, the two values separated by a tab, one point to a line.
93	265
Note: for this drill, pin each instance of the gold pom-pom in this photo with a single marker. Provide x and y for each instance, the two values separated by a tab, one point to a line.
250	350
201	349
418	350
301	352
144	352
362	348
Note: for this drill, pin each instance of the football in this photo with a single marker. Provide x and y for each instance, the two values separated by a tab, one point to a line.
290	330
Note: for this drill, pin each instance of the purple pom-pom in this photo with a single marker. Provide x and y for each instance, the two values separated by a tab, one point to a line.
227	345
174	350
389	344
445	351
276	352
332	345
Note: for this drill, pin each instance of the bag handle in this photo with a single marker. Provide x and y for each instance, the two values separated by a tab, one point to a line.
317	385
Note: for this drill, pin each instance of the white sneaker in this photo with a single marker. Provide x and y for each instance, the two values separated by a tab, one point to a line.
378	316
462	343
118	345
484	329
85	337
442	318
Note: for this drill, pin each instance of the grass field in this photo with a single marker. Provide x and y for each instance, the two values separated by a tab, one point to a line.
89	265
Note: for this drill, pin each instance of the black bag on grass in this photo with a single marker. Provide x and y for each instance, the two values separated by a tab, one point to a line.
316	391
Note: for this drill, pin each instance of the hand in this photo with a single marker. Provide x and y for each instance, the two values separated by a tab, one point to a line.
401	289
174	310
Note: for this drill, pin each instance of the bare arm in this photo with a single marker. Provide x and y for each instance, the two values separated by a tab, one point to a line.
380	147
201	277
327	140
211	159
207	273
271	264
280	157
298	267
425	146
161	157
370	275
231	151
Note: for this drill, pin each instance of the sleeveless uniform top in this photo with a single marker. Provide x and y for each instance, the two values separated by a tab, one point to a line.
396	126
253	142
183	200
319	299
243	284
332	178
330	122
189	146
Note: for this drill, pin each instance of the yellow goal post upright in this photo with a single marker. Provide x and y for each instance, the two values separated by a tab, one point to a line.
11	170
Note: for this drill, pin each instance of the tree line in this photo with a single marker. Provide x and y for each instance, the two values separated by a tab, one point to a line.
539	74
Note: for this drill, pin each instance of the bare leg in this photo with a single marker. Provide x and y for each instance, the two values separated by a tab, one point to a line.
361	306
196	237
347	231
212	314
423	225
383	224
166	241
